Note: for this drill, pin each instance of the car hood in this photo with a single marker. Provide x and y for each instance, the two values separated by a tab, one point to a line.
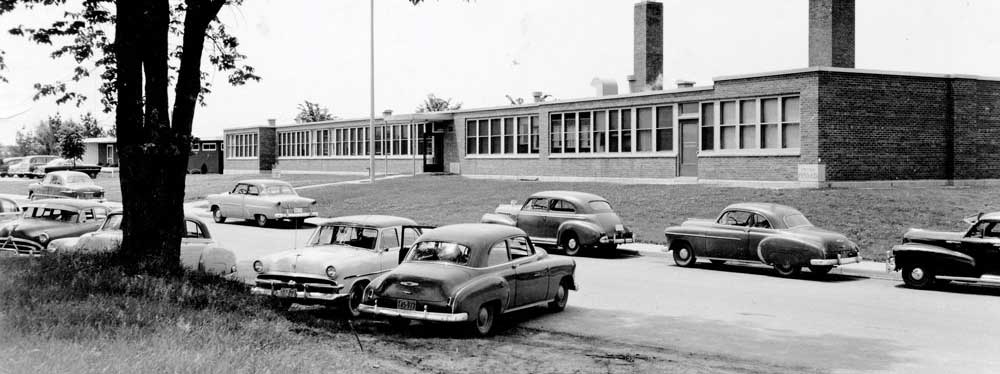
100	241
425	281
507	209
29	228
932	236
314	260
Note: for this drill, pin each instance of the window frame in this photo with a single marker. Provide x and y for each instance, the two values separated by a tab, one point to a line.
758	126
481	139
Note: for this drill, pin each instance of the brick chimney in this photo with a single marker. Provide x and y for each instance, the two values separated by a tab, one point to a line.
648	46
272	122
831	33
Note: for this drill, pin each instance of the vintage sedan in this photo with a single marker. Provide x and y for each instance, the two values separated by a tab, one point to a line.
7	163
772	234
927	258
46	220
65	184
62	164
572	220
263	201
30	166
199	251
471	274
342	256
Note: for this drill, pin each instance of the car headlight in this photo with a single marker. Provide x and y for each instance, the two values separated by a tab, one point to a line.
43	238
369	293
258	266
331	272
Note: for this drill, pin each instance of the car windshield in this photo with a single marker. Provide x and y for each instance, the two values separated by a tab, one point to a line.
439	252
796	220
361	237
279	190
114	222
600	206
78	179
52	213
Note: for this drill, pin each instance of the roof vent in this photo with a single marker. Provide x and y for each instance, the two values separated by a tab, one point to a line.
604	86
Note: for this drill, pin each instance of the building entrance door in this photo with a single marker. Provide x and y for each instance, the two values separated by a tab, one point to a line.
687	159
433	151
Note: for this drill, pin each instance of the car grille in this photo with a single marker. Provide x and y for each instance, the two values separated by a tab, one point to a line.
20	246
305	284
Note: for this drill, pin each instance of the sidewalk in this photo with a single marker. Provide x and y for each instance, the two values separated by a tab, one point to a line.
866	269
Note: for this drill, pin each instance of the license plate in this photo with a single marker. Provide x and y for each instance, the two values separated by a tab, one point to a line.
406	304
285	292
298	210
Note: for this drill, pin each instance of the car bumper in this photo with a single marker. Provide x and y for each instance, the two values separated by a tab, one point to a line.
835	261
296	215
617	239
311	292
414	314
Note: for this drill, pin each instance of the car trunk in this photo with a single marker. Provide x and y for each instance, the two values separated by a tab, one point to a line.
424	281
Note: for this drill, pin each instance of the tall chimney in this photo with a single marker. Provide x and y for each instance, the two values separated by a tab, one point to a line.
831	33
648	46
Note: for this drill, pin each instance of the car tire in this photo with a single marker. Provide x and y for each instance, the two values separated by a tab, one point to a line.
562	296
918	276
571	244
353	300
484	320
820	270
786	269
718	262
261	220
217	216
684	256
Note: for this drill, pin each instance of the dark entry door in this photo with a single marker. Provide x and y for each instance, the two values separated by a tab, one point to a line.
433	152
687	160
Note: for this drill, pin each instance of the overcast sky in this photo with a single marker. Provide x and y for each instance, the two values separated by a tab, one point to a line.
476	52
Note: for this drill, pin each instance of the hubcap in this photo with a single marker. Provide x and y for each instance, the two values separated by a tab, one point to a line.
562	296
484	317
571	243
684	253
917	274
217	214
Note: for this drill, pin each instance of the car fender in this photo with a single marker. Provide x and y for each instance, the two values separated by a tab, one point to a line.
217	260
478	291
952	262
588	233
497	218
797	250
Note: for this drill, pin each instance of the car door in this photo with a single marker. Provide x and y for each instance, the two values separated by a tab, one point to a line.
532	217
498	261
728	236
760	229
409	236
388	248
531	274
559	211
53	186
193	244
252	202
983	243
232	204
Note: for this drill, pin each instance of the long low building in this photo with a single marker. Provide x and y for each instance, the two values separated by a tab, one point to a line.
828	124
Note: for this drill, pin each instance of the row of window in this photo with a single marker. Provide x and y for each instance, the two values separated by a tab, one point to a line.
241	145
353	141
765	123
502	136
203	146
638	129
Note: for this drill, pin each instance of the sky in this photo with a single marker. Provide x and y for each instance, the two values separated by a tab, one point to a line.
478	51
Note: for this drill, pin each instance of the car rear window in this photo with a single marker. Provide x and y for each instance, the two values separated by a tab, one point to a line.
600	206
796	220
439	252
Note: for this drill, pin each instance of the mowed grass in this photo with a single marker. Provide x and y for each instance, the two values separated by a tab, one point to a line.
197	185
874	218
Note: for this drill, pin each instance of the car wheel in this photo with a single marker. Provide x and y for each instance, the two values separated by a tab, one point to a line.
684	255
261	220
562	296
353	300
571	244
217	216
820	270
786	269
483	321
718	262
918	276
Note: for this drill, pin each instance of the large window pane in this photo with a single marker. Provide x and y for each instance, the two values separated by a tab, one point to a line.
555	133
770	137
508	135
728	114
748	111
614	132
728	138
626	130
534	134
790	135
748	137
769	110
644	130
689	108
523	136
569	128
585	132
790	109
484	137
600	131
664	128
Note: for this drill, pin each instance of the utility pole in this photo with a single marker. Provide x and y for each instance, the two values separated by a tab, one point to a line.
371	120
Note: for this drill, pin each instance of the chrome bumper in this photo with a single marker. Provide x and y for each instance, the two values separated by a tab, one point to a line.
296	215
299	295
414	314
835	261
616	240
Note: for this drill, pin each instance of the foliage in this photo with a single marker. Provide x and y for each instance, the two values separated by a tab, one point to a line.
91	129
313	112
26	143
70	138
436	104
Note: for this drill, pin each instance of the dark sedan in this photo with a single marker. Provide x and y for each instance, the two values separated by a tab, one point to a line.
471	274
928	258
63	184
772	234
46	220
62	164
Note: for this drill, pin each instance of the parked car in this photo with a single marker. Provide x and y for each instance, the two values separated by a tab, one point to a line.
65	184
772	234
47	220
61	164
199	251
927	258
7	163
341	258
262	200
9	210
471	274
30	166
572	220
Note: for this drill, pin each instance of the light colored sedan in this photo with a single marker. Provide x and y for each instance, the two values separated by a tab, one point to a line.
198	250
262	200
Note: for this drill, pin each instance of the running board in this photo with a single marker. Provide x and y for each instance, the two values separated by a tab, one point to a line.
532	305
985	279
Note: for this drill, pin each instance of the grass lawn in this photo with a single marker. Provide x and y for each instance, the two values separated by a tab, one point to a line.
81	314
874	218
198	185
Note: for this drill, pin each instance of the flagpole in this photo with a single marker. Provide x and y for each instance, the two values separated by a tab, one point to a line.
371	120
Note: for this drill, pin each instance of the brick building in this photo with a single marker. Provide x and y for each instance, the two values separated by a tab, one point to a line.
826	124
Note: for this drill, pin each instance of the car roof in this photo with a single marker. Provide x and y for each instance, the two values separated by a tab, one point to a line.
66	173
992	216
71	203
264	181
371	220
580	198
472	235
766	208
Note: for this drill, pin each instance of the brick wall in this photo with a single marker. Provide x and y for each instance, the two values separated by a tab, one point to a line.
351	166
772	168
645	167
976	118
241	165
831	33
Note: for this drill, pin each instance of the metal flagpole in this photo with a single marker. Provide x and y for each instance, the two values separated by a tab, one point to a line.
371	120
